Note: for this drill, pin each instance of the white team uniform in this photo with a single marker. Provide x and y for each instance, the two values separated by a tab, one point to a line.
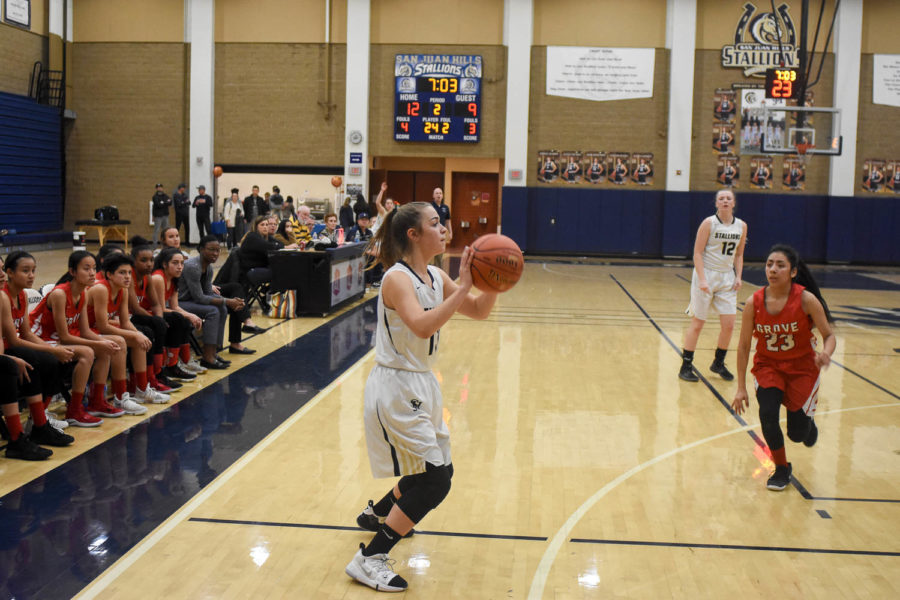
718	266
403	406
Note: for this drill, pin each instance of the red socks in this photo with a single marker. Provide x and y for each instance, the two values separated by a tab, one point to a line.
140	380
185	353
779	457
119	388
37	413
14	424
173	356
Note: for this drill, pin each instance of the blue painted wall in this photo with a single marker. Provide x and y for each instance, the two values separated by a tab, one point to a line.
30	165
656	223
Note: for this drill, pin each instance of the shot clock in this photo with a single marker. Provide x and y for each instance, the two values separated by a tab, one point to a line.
783	82
437	98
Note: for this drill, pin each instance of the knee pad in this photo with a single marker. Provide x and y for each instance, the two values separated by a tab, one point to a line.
428	489
797	426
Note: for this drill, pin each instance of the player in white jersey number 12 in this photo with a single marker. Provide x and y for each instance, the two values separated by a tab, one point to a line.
405	432
718	264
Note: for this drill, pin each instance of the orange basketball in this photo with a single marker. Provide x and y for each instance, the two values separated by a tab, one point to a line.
497	264
217	171
336	181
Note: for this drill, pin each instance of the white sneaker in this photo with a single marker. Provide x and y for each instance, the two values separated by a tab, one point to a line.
151	395
128	406
54	422
192	366
376	572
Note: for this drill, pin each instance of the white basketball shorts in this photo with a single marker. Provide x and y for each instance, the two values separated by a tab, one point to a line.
722	296
404	419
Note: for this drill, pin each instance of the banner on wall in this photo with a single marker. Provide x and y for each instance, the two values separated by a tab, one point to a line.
761	172
886	79
873	177
548	166
753	125
762	40
728	170
600	74
595	167
893	176
571	166
642	168
723	138
724	106
617	167
793	173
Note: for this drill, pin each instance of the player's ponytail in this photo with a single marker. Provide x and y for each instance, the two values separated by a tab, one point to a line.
392	242
804	276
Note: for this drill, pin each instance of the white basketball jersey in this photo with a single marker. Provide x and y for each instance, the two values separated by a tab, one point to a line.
396	346
722	244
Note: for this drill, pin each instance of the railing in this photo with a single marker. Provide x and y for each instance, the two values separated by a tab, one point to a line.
46	86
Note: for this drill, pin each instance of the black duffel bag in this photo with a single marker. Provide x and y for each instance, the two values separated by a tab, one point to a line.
106	213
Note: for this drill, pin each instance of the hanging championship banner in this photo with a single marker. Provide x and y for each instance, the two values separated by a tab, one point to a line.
595	167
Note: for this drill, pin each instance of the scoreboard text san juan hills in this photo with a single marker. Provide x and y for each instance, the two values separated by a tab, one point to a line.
437	98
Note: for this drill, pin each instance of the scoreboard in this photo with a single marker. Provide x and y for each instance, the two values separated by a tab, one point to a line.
437	98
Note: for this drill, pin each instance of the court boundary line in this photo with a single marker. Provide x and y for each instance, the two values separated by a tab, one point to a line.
98	585
542	571
734	547
490	536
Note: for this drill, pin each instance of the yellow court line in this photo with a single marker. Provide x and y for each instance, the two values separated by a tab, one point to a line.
539	581
120	566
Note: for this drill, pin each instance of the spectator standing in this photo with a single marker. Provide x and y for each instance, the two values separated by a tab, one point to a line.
361	205
202	204
276	200
160	211
345	215
443	211
254	206
234	219
182	203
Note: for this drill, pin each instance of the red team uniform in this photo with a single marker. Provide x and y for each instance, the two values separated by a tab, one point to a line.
42	317
170	289
113	306
785	356
140	292
18	314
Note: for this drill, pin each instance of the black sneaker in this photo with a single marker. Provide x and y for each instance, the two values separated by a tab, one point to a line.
369	521
687	373
169	383
25	449
178	373
721	371
781	478
812	436
47	435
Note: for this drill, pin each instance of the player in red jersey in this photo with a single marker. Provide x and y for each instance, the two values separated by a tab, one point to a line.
61	318
786	366
167	270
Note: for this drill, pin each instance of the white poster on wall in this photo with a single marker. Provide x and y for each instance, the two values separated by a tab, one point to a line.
886	79
18	12
600	73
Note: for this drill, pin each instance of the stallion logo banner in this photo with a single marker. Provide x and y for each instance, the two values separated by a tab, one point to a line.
756	39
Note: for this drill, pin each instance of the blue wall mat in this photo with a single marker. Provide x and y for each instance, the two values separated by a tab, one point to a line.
30	165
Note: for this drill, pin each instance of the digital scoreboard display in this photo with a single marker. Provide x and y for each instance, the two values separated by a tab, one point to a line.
437	98
783	83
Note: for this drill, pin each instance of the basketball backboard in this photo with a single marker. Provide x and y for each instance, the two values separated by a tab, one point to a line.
815	130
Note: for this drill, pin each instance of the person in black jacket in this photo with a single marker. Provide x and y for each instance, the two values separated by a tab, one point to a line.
202	204
254	253
182	203
345	215
160	211
255	206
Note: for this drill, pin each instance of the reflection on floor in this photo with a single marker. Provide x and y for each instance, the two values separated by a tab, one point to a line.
60	531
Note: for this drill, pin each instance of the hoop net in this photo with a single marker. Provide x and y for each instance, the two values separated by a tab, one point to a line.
802	150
